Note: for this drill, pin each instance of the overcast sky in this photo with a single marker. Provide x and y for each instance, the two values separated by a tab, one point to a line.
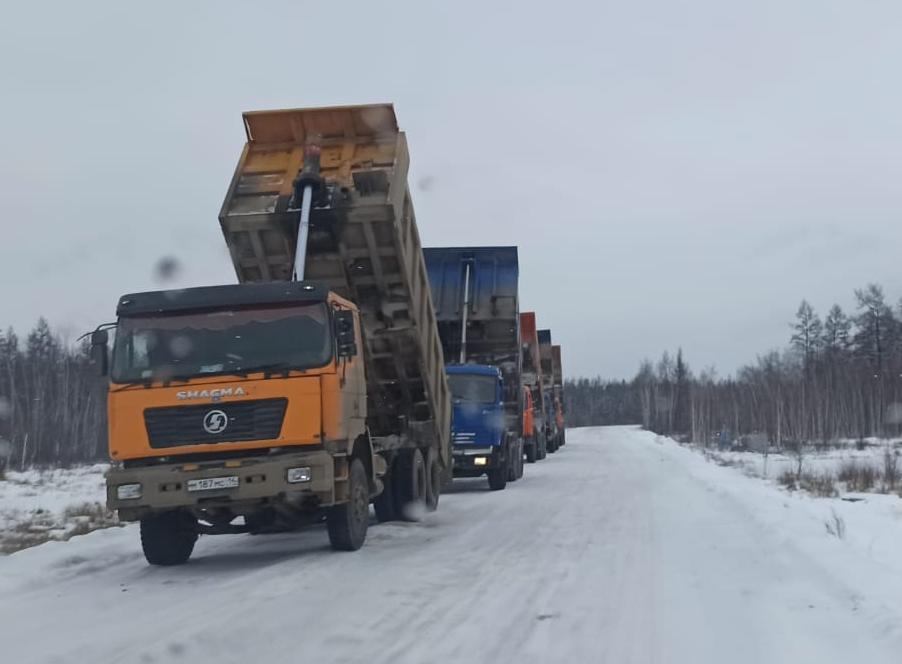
675	173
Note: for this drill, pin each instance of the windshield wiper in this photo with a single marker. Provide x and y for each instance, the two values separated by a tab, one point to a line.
165	380
270	369
185	377
267	369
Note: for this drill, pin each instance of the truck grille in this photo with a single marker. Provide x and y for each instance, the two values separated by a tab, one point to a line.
215	422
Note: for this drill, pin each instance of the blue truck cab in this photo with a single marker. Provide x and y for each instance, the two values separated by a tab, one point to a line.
478	423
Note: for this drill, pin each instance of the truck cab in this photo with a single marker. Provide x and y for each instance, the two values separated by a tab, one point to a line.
478	423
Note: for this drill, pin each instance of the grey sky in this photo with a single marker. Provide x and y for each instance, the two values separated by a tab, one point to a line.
675	173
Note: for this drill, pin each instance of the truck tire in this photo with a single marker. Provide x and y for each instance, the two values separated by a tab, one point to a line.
412	485
516	461
497	478
168	538
347	523
512	462
532	450
542	447
433	480
385	503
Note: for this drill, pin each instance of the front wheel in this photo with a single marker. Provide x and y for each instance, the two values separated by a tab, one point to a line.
348	523
168	538
498	478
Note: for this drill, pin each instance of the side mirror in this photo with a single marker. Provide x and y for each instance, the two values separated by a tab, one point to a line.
344	334
100	340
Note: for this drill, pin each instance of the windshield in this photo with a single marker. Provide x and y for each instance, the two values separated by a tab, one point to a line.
473	389
183	345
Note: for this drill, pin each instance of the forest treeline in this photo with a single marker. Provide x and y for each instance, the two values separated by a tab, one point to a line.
52	402
839	377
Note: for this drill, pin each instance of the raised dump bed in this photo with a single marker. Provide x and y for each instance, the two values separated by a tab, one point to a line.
363	244
532	367
490	277
546	360
557	370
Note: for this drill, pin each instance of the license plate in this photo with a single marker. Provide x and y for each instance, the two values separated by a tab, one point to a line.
211	483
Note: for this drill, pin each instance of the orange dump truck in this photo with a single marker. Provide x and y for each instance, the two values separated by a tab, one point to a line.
531	376
310	389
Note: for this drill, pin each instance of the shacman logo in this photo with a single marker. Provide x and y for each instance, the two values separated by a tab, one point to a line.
215	421
215	395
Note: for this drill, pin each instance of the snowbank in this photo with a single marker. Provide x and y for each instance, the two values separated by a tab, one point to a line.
41	505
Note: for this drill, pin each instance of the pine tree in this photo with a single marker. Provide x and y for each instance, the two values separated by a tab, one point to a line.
837	331
807	333
874	324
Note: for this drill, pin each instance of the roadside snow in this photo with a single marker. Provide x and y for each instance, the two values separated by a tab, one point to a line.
813	461
41	505
621	548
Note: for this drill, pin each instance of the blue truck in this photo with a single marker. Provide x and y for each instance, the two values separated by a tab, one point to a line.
475	295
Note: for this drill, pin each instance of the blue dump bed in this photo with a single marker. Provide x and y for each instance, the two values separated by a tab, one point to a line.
493	312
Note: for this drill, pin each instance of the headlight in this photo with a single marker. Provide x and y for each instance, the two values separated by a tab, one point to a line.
296	475
480	461
128	491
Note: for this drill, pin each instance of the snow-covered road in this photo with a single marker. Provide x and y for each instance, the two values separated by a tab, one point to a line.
620	548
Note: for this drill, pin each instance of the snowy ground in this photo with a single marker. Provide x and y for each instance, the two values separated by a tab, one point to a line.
621	548
41	505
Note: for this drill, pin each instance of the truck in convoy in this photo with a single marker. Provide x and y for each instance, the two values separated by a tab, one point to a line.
534	405
553	431
315	385
559	406
477	309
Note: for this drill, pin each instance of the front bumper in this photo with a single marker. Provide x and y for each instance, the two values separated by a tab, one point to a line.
261	480
465	459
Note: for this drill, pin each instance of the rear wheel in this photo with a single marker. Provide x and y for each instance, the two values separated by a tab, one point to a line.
498	476
168	538
348	523
433	480
542	447
515	471
385	504
532	450
512	462
411	487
